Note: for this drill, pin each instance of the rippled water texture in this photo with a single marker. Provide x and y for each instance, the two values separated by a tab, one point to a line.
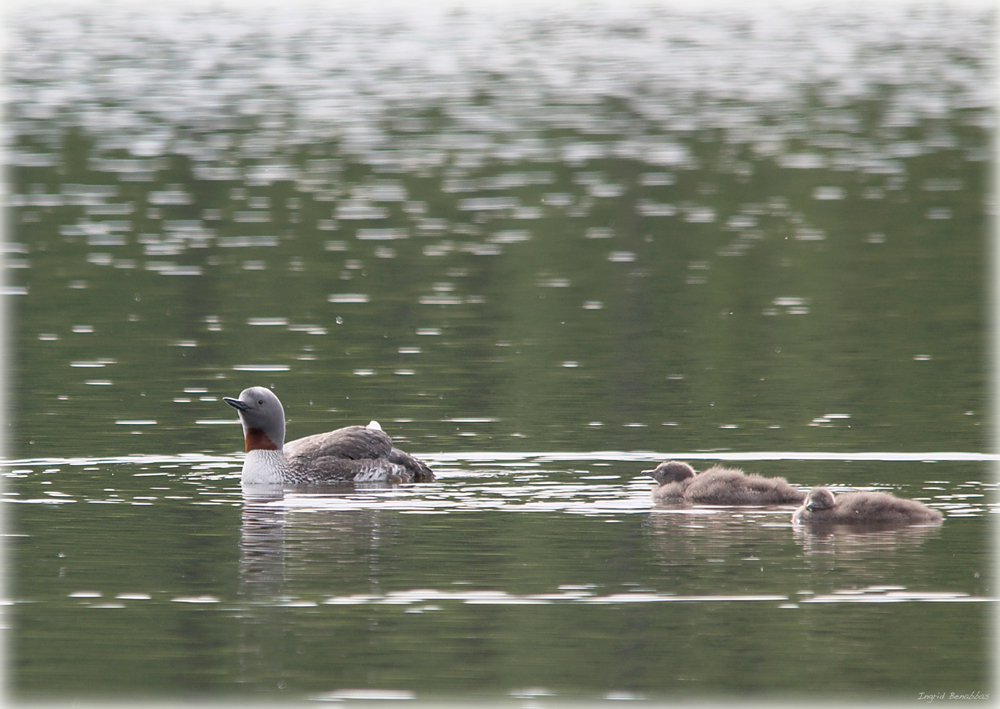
546	247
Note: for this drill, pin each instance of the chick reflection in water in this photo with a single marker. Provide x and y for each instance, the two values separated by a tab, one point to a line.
678	483
862	509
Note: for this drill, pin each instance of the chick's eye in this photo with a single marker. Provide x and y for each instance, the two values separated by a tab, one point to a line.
260	402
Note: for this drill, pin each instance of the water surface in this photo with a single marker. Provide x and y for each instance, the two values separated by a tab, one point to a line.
545	248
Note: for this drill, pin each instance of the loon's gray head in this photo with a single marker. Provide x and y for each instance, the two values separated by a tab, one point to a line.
262	416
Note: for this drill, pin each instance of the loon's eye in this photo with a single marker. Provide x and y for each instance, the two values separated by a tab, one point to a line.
260	402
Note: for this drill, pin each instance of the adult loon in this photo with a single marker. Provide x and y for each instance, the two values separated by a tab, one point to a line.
356	453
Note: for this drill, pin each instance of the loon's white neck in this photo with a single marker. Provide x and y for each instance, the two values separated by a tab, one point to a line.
264	467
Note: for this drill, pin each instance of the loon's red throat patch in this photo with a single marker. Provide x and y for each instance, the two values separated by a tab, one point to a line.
257	440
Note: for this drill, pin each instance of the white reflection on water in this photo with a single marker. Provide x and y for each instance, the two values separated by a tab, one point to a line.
877	594
649	456
494	493
532	481
478	458
562	595
510	474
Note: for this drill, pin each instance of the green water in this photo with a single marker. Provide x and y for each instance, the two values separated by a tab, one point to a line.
544	254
